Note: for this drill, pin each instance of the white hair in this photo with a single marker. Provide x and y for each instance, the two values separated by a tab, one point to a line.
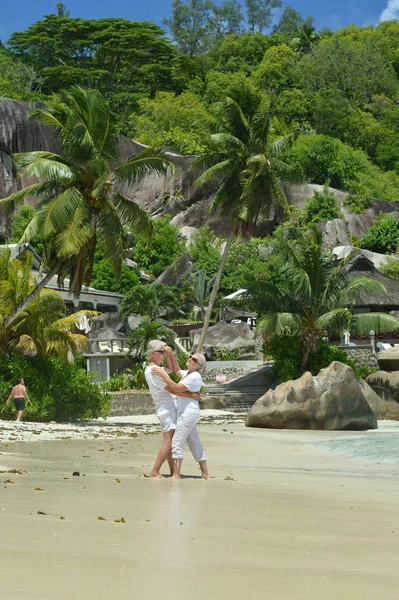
155	345
201	361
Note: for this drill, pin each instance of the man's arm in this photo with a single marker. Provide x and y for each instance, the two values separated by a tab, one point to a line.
171	361
26	396
10	396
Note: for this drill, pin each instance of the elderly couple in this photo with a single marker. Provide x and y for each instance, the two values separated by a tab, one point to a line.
176	406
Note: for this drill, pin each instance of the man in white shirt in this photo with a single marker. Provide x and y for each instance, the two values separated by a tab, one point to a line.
165	406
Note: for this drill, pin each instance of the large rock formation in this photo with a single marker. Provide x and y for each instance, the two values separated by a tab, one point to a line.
377	404
227	336
332	400
175	193
388	360
386	380
377	259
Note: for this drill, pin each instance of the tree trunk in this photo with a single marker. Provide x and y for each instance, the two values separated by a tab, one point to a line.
31	297
215	290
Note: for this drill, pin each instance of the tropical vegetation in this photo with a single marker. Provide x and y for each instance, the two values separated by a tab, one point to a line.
80	204
245	162
315	296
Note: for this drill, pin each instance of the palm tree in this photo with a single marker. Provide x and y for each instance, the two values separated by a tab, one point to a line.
200	291
153	301
247	166
144	333
305	38
43	328
318	296
79	190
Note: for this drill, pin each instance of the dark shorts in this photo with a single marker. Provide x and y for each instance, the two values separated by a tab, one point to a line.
19	403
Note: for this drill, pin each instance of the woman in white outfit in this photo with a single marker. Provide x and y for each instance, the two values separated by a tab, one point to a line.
188	413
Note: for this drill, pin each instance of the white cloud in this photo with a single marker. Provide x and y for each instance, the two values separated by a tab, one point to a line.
391	11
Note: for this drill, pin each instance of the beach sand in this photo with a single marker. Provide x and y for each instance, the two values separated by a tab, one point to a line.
282	518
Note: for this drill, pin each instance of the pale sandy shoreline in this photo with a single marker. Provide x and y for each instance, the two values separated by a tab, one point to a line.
282	518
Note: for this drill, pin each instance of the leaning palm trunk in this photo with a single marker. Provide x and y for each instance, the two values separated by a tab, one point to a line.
310	342
11	318
215	290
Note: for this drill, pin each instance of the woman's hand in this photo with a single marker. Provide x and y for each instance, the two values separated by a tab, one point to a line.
157	370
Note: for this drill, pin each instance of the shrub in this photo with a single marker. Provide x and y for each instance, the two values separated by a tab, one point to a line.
286	351
58	392
322	207
391	268
383	235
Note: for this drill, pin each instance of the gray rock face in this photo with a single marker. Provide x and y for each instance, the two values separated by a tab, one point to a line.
332	400
299	195
377	404
227	336
386	380
377	259
388	360
174	193
175	274
339	232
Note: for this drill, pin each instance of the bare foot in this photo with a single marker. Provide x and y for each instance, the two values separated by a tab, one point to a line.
205	476
175	477
156	475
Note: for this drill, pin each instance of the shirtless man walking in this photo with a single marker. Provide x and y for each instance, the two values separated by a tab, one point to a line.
20	395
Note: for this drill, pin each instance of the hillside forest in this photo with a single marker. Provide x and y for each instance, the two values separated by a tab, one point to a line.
334	93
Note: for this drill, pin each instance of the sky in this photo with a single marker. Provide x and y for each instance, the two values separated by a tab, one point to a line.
339	13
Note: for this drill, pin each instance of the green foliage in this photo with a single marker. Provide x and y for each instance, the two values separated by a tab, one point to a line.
205	251
327	159
286	350
43	327
323	158
322	206
118	382
18	80
313	295
383	235
391	268
79	205
58	392
325	355
363	69
103	277
156	253
19	224
226	354
152	301
178	122
123	59
144	333
248	261
275	73
239	54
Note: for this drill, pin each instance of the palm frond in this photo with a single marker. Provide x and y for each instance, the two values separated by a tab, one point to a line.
149	161
380	322
132	215
215	172
280	323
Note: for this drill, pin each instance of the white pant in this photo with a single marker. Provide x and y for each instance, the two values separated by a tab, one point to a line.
186	431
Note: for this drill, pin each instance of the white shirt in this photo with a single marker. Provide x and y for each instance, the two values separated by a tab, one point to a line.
193	382
157	387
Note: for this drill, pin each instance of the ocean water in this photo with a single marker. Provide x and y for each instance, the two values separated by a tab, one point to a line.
378	445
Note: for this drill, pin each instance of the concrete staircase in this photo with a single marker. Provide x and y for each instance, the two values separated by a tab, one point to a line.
239	394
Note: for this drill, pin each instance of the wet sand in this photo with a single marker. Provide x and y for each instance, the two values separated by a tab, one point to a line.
282	518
